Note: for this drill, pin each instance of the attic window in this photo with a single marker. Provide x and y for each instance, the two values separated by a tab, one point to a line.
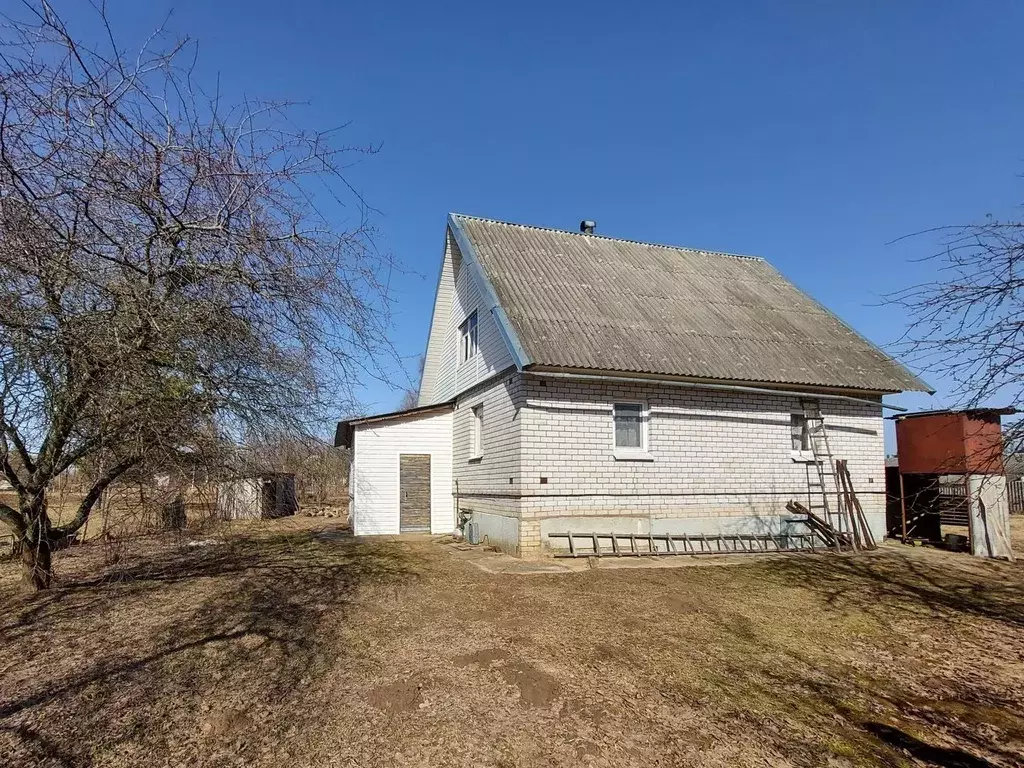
467	338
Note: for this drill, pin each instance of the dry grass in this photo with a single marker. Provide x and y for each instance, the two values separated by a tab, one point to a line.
279	646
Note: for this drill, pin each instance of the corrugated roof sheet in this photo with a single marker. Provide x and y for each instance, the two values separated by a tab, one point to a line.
588	301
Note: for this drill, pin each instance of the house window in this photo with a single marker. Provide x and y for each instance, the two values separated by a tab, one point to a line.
799	435
476	435
467	338
629	426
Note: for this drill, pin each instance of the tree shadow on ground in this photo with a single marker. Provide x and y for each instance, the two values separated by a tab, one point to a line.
876	582
188	649
960	720
919	750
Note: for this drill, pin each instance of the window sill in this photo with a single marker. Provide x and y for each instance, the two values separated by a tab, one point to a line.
627	455
802	457
476	459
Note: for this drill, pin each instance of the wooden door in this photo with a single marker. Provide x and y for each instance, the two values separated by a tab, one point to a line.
414	492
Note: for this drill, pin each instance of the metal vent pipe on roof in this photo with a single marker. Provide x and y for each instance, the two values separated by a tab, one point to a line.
587	226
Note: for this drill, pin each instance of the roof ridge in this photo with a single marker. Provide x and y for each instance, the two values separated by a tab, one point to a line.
606	237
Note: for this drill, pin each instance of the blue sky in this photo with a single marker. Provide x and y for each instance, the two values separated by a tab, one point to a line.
809	133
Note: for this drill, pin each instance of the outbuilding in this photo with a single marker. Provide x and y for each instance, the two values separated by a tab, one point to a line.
258	496
401	472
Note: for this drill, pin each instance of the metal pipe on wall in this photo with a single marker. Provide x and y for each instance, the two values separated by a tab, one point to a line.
698	385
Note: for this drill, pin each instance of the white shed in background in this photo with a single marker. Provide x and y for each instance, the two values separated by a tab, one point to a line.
401	471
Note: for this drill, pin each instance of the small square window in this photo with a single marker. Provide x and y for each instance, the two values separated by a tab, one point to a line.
467	338
629	426
476	439
800	437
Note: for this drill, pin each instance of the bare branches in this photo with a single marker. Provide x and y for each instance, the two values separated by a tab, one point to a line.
93	495
967	325
170	277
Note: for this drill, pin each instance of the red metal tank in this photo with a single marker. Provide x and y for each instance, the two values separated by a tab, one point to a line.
955	442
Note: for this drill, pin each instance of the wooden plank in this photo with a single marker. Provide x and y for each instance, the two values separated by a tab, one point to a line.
847	501
903	510
869	537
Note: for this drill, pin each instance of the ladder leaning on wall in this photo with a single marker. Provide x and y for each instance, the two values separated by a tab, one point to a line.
821	502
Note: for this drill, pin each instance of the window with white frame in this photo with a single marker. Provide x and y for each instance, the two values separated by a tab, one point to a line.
467	338
800	437
630	426
476	435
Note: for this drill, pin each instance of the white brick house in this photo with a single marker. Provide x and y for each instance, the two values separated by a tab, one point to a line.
578	382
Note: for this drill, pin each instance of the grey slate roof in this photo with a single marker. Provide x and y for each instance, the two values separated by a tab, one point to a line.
593	302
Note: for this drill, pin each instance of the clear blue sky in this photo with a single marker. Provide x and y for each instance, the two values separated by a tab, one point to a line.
808	133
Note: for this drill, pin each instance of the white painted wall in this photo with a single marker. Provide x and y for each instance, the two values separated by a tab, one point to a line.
439	322
488	485
374	489
459	295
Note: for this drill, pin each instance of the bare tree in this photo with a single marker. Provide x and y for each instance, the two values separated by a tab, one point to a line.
411	396
169	276
967	325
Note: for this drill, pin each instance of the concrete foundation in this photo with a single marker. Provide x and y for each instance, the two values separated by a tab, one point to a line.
498	531
775	525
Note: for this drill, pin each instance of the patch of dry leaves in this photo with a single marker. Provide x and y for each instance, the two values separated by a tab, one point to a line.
275	644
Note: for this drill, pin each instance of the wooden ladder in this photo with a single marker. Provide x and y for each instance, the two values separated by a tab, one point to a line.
827	481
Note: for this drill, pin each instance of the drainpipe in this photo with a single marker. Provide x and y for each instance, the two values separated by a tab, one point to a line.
725	387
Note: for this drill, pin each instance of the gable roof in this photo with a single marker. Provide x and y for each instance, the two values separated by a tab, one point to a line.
585	301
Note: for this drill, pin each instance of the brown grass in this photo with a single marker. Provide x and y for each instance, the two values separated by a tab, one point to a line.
279	646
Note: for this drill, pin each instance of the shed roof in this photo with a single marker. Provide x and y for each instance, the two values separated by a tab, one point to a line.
969	412
586	301
343	431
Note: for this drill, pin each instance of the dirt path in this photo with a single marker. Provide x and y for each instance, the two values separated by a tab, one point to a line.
283	646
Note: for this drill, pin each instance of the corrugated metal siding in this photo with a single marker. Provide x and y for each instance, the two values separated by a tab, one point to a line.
375	471
592	302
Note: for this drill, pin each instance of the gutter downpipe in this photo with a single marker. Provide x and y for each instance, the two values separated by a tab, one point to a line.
726	387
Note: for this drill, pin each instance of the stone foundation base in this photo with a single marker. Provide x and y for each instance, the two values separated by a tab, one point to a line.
534	538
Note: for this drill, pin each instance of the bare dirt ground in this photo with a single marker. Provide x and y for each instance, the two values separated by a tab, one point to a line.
290	643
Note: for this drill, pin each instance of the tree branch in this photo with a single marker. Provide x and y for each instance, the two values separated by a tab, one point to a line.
13	519
85	508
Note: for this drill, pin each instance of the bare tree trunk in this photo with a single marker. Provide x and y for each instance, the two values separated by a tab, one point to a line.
37	567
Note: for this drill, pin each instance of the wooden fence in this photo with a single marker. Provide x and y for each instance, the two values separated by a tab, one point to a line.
953	506
1015	492
953	500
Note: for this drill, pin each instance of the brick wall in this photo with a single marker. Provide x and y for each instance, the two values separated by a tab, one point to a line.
711	453
549	453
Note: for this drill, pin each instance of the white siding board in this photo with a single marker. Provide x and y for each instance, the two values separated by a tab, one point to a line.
433	360
377	447
453	376
499	459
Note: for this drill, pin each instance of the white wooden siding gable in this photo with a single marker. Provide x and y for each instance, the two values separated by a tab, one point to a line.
462	290
377	447
439	322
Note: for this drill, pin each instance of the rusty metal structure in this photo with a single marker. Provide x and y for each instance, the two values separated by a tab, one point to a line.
938	453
